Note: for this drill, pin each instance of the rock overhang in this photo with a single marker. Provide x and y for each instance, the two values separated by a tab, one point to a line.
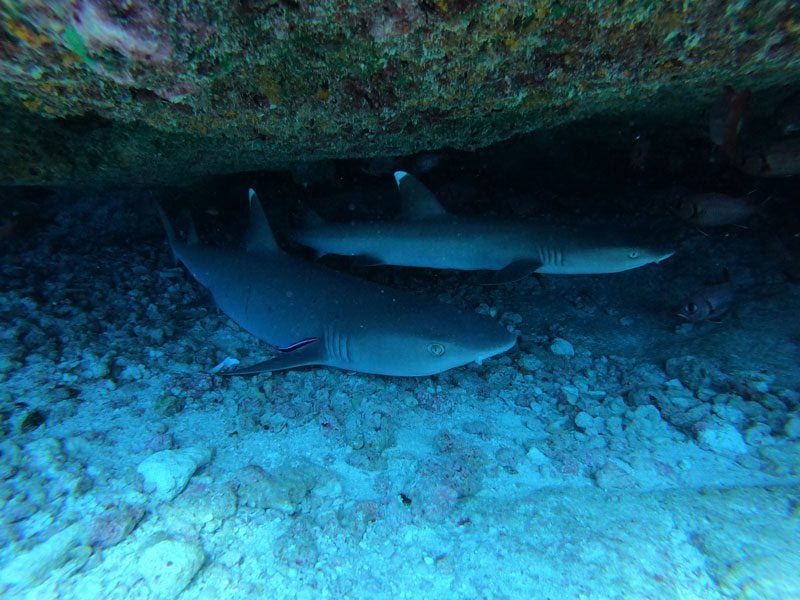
102	91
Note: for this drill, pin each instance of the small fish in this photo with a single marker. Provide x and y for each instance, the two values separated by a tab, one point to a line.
779	159
725	119
715	210
709	303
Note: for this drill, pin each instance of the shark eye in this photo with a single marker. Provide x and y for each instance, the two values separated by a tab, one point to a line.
633	254
436	349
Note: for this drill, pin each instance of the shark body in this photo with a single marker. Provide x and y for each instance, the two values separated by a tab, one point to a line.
429	236
317	316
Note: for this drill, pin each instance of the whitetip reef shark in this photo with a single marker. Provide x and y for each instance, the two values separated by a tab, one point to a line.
427	235
318	316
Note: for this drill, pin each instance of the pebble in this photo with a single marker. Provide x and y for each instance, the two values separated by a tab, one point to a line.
200	507
32	567
648	419
570	393
10	459
613	476
166	473
531	363
792	428
561	347
537	457
281	490
169	565
759	435
721	438
585	421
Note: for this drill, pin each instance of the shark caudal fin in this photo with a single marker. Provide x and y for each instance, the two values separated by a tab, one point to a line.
259	237
417	200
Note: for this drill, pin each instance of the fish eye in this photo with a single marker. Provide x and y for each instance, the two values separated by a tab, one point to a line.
633	254
691	308
436	349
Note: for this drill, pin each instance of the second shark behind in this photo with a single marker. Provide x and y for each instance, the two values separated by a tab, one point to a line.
429	236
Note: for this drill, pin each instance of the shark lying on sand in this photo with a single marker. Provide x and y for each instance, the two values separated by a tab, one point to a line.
429	236
317	316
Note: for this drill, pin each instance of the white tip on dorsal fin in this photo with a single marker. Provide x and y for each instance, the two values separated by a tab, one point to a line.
418	201
259	235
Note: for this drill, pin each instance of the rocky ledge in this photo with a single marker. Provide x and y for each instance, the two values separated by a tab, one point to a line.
158	91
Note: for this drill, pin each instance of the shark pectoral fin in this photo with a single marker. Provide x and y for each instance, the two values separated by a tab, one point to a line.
365	260
519	269
308	354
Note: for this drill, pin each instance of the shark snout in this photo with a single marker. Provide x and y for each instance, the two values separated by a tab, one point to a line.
504	343
664	256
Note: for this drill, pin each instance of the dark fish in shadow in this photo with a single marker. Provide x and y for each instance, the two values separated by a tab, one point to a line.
716	210
710	303
778	159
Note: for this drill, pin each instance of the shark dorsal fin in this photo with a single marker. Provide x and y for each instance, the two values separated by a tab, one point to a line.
418	201
259	234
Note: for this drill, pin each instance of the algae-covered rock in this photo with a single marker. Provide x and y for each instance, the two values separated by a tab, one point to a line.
110	91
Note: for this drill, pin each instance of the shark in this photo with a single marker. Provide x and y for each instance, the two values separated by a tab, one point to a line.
426	235
314	315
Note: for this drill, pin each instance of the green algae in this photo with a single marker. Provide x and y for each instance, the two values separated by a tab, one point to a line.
75	43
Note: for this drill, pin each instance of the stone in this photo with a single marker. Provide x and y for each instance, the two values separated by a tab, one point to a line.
561	347
792	427
166	473
721	438
537	457
584	421
168	566
283	490
759	435
647	418
169	406
32	567
570	393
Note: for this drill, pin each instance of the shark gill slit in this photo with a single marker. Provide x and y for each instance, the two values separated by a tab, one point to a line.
337	345
548	256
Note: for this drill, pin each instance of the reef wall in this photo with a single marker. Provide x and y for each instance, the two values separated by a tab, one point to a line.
165	91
